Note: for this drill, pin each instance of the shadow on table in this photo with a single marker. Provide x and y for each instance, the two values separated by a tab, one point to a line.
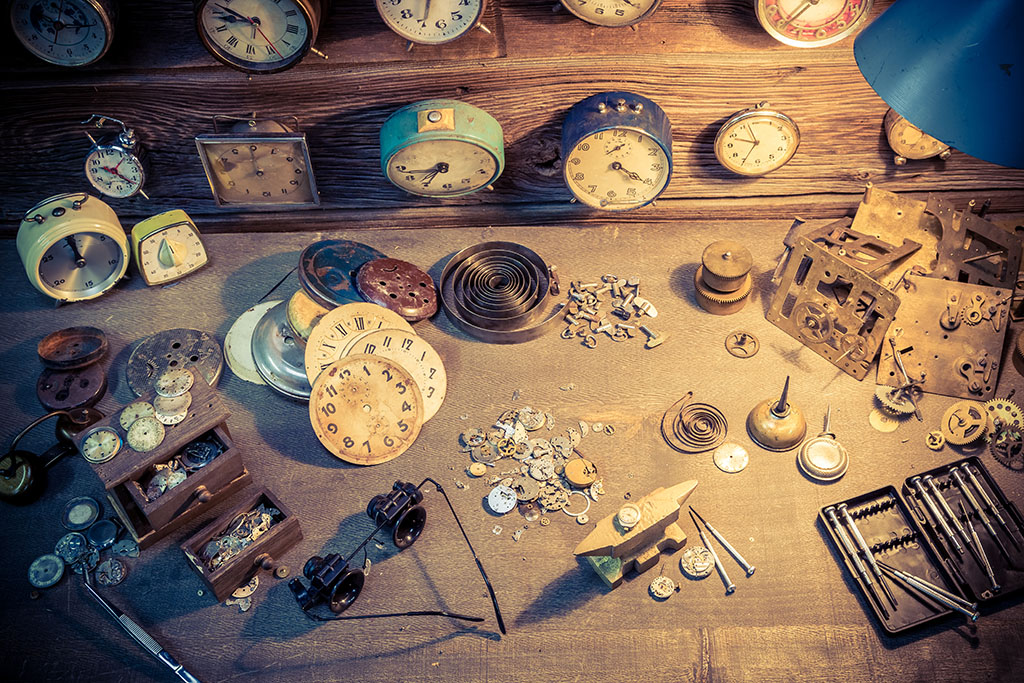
568	592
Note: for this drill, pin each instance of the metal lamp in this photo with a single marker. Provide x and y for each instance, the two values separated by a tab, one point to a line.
954	69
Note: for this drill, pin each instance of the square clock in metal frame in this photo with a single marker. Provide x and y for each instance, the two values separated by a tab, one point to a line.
258	170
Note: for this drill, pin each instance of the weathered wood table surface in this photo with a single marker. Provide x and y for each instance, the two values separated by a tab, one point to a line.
797	618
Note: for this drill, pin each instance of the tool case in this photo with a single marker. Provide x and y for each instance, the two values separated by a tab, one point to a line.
901	531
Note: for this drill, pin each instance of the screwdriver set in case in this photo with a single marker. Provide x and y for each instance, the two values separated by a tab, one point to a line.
947	542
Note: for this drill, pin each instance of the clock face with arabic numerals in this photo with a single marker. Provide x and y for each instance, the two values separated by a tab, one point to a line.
366	409
617	169
431	22
612	12
332	334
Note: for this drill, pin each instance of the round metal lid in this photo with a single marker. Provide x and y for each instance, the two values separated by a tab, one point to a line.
173	349
727	259
80	513
823	458
67	389
238	342
303	315
279	359
327	270
398	285
72	347
103	534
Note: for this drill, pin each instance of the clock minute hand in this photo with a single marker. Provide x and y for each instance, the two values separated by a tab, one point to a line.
79	259
616	166
237	14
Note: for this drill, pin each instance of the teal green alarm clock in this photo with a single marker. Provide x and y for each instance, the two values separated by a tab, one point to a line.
441	148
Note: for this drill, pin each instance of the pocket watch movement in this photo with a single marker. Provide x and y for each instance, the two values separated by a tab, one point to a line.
68	33
432	22
259	36
441	148
72	246
114	165
910	142
756	141
612	13
167	247
812	23
616	151
258	164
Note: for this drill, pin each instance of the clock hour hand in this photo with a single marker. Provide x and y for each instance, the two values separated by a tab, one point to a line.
79	259
237	14
616	148
426	11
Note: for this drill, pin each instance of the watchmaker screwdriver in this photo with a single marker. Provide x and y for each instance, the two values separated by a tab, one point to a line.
729	585
747	567
973	502
930	504
939	595
988	501
868	555
981	551
847	544
937	495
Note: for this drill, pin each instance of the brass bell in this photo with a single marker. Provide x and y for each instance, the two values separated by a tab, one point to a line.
776	425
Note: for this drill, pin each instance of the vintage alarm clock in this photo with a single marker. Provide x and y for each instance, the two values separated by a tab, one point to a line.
441	148
812	23
167	247
259	36
616	151
115	166
432	23
612	12
756	141
72	246
910	142
258	163
68	33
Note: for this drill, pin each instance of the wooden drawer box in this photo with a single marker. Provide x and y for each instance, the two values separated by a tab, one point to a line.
263	553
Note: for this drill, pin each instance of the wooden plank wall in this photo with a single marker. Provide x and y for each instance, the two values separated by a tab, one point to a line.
701	60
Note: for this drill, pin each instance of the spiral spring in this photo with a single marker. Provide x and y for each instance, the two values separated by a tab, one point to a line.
693	427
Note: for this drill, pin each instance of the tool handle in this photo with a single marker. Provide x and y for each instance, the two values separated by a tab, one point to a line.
942	599
747	567
178	669
726	581
847	544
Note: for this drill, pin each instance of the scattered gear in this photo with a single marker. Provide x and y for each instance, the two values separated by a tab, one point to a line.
894	400
662	588
1003	413
1008	448
814	323
935	440
964	423
720	303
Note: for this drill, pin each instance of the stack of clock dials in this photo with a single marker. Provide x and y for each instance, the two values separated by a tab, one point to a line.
343	341
73	376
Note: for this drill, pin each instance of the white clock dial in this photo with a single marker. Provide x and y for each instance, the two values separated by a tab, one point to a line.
439	168
617	169
102	445
171	253
261	35
68	32
114	172
611	12
756	142
81	263
430	22
259	172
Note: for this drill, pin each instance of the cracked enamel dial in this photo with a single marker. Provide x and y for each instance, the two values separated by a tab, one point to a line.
328	340
431	22
756	141
612	12
258	35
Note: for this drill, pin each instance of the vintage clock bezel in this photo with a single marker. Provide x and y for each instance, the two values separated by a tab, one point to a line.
893	119
154	226
844	32
253	131
644	16
616	110
64	218
395	29
441	120
760	110
313	12
107	11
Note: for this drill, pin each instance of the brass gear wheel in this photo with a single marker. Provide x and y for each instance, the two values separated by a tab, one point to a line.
1020	345
893	401
1007	447
720	303
964	423
814	323
1003	414
935	440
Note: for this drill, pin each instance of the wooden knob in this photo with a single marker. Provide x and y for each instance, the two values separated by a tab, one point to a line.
203	494
264	561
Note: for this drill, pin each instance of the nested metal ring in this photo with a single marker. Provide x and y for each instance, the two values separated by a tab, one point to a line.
691	427
500	292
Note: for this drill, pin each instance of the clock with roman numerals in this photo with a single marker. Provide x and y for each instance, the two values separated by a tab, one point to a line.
259	36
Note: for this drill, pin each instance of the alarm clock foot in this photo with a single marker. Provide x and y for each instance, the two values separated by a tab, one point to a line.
484	29
318	53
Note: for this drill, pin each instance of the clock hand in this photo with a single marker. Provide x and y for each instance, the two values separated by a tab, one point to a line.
616	166
426	10
254	22
803	7
79	259
237	14
439	167
617	147
752	148
751	131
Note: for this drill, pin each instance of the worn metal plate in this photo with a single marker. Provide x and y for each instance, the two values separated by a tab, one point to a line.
327	270
171	349
238	342
67	389
72	347
280	360
833	308
860	250
399	285
963	361
973	249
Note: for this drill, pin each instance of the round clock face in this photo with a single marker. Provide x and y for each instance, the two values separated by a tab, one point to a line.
332	334
756	142
82	264
259	171
811	23
612	12
255	35
908	140
145	434
170	253
442	168
366	409
617	169
114	172
430	22
67	33
102	445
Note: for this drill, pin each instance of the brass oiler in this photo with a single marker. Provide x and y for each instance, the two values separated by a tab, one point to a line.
777	425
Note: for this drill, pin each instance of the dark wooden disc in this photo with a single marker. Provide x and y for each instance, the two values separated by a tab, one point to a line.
72	347
398	285
67	389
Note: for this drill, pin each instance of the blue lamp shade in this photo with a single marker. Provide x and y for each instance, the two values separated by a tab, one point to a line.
954	69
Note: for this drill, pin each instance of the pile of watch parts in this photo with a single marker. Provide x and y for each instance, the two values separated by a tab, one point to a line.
620	321
530	469
193	457
998	422
932	305
244	530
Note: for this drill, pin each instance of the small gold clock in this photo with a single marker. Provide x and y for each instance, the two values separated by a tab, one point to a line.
756	141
